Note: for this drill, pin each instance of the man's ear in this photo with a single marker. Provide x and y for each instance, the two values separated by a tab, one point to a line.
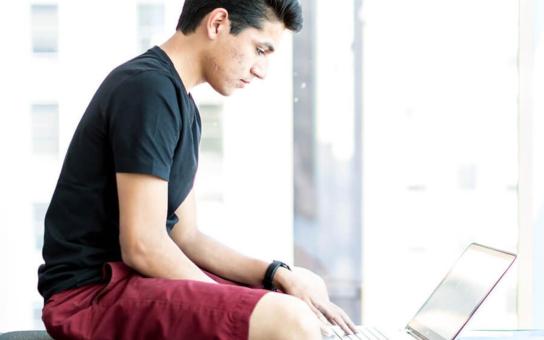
217	23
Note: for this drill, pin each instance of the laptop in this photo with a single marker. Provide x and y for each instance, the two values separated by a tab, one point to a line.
453	302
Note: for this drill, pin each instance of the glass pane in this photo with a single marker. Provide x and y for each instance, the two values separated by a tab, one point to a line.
150	24
440	146
327	189
537	186
39	210
44	28
209	184
45	129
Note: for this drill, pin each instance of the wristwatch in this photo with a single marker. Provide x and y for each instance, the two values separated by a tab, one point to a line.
268	282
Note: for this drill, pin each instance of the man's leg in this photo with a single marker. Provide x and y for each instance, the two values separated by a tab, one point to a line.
131	307
280	316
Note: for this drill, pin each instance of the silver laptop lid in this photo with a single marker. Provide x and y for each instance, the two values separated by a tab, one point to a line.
461	292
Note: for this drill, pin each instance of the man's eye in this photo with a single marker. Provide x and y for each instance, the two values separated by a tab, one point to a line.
260	51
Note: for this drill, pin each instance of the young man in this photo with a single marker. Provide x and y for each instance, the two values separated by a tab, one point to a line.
123	256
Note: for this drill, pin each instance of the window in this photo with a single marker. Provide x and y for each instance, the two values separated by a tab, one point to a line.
38	216
327	148
440	149
212	135
37	315
211	153
45	129
531	182
150	24
538	255
210	188
45	30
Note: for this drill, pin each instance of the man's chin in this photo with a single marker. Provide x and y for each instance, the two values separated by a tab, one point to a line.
224	91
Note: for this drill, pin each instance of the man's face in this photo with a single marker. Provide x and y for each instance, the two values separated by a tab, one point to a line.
237	59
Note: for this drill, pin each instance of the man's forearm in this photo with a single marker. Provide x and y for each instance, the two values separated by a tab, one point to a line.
221	260
161	258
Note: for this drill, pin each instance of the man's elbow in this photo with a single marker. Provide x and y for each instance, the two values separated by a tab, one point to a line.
130	254
136	252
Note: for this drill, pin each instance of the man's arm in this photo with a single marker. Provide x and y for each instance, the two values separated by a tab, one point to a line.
145	244
210	254
226	262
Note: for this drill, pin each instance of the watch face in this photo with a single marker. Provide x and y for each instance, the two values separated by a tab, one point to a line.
284	265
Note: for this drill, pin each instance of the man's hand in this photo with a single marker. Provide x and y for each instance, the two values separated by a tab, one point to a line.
311	289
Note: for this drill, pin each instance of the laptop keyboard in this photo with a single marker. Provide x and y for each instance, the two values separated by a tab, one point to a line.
365	333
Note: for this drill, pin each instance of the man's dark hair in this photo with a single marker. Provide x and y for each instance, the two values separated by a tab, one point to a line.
242	13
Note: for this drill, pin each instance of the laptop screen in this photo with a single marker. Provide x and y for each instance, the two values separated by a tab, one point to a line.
461	292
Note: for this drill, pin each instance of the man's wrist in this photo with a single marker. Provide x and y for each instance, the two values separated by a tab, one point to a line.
282	278
270	281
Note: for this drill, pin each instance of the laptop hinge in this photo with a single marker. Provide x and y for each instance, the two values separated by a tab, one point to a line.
415	333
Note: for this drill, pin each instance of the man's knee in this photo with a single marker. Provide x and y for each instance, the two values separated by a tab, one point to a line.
280	316
301	320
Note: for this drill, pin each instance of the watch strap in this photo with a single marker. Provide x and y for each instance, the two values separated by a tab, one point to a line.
268	282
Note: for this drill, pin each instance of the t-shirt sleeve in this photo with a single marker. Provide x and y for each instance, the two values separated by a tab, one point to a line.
144	125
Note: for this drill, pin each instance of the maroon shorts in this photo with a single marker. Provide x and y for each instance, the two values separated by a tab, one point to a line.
130	306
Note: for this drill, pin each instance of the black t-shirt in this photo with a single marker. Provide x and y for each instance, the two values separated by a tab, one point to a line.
141	120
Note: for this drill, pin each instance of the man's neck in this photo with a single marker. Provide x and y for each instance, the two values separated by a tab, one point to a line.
183	51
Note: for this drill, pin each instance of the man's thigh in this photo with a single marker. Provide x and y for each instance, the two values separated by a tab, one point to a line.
131	306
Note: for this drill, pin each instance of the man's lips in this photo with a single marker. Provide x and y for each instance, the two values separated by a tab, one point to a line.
243	83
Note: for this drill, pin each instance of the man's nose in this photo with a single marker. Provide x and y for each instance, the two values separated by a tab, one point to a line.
260	69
